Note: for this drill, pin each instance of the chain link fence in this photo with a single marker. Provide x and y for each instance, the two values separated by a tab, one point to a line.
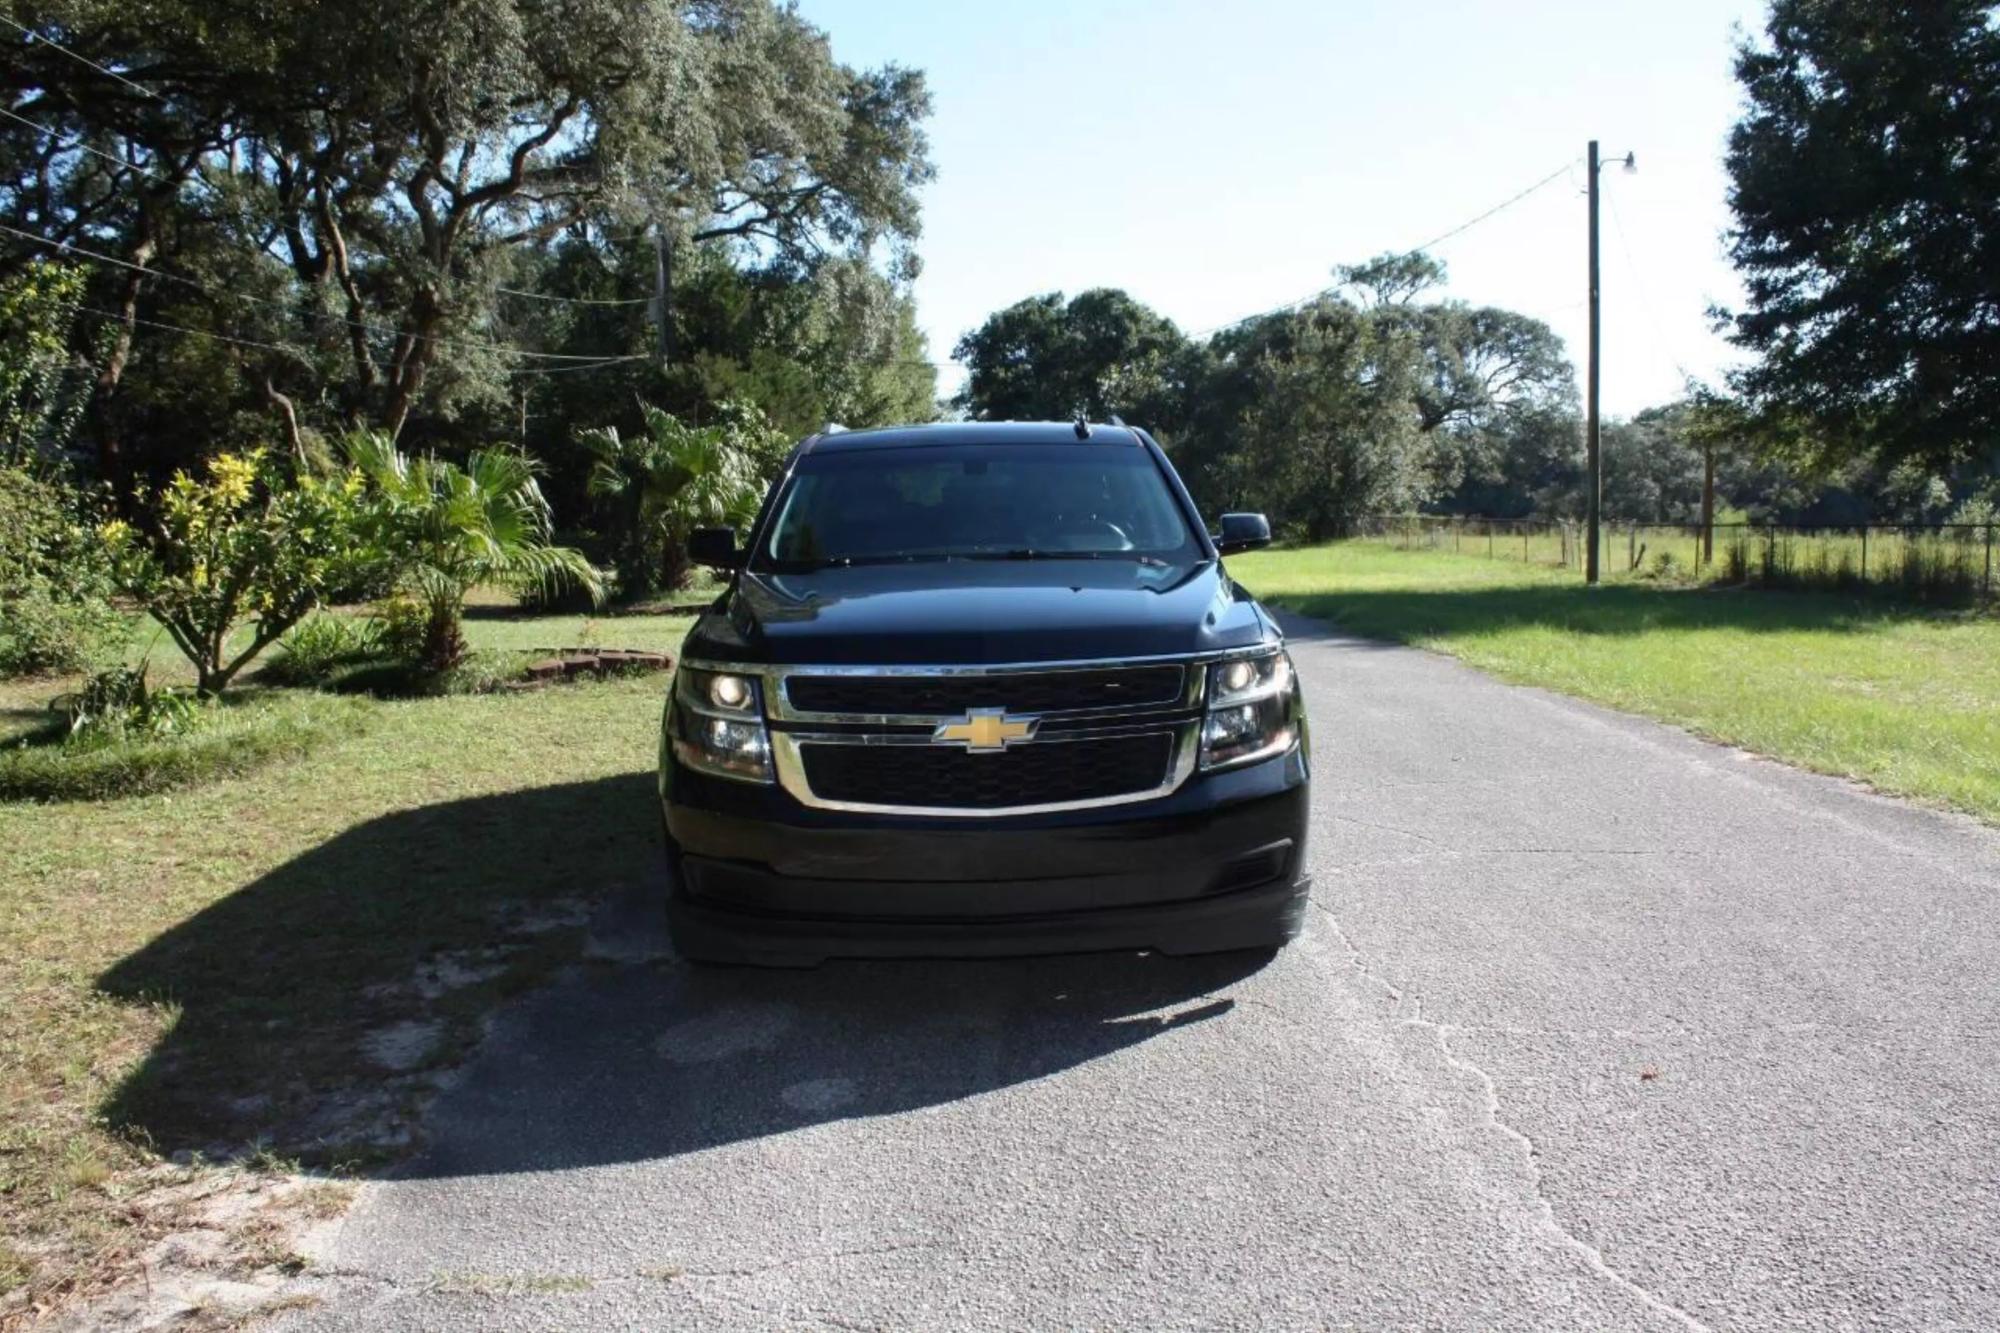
1932	562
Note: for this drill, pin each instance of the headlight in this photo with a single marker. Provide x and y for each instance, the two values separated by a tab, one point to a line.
1252	710
718	725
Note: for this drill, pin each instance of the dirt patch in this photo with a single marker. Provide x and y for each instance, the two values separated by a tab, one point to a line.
222	1245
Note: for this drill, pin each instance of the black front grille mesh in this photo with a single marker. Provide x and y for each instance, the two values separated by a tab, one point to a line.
1027	692
949	777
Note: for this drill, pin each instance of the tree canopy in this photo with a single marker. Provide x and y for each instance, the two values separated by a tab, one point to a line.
1380	396
361	201
1866	192
1045	358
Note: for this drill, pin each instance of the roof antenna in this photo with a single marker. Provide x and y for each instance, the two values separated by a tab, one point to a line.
1082	425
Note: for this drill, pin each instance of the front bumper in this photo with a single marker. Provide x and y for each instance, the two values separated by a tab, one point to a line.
1216	865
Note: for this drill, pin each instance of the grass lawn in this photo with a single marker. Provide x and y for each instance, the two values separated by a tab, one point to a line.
1903	698
269	964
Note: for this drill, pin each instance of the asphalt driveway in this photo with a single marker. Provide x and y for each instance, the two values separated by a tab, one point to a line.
1597	1026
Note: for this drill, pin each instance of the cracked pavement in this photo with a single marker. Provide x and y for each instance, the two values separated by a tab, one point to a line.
1596	1025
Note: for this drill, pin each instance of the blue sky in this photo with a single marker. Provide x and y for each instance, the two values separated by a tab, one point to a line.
1218	159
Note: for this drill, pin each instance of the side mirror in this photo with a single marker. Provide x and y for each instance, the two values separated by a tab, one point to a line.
1243	532
714	547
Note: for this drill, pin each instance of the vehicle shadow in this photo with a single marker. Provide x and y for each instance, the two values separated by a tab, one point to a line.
279	986
642	1063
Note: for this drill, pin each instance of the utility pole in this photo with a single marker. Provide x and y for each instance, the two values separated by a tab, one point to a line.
1593	452
663	292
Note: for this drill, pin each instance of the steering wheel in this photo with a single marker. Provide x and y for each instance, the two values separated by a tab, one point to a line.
1071	529
1122	540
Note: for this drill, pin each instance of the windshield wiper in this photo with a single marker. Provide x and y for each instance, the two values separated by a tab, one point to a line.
1032	553
945	557
850	561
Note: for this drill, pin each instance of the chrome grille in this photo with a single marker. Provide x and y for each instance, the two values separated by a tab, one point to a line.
1023	692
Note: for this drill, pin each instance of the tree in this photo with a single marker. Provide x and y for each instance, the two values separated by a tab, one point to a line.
394	162
1310	419
671	478
1652	474
243	542
450	529
1866	191
41	390
1100	353
1486	376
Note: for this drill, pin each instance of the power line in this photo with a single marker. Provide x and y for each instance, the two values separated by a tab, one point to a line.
1654	334
178	328
34	36
279	347
1435	241
565	370
69	142
1500	207
72	142
584	362
64	247
575	300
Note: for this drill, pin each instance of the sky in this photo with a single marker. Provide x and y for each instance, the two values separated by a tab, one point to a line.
1218	159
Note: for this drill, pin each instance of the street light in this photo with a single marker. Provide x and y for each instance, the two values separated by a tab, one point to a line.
1593	451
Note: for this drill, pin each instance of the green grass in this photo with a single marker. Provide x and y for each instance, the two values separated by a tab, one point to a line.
197	972
233	741
1905	699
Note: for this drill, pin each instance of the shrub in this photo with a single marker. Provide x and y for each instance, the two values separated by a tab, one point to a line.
661	484
319	647
232	741
452	528
1938	569
117	705
43	389
401	628
55	580
1736	560
245	542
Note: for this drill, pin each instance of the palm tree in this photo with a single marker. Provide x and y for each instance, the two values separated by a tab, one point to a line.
674	478
454	528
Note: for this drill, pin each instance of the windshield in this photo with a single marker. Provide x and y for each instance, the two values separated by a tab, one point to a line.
994	502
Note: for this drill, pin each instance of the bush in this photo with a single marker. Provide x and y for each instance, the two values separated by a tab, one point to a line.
402	627
45	633
245	542
117	705
656	487
318	649
55	580
233	741
451	529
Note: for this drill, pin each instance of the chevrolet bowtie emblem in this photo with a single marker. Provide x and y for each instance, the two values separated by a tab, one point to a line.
985	729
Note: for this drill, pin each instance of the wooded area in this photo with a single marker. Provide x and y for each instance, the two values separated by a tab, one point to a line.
566	230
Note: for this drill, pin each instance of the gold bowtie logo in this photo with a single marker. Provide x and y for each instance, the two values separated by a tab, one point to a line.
985	729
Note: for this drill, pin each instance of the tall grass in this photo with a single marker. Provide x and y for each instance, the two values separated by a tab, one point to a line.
1936	568
1950	566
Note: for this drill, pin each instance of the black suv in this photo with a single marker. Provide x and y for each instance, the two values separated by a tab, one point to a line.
982	689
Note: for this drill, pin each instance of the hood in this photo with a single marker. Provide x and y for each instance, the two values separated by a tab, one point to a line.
978	612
